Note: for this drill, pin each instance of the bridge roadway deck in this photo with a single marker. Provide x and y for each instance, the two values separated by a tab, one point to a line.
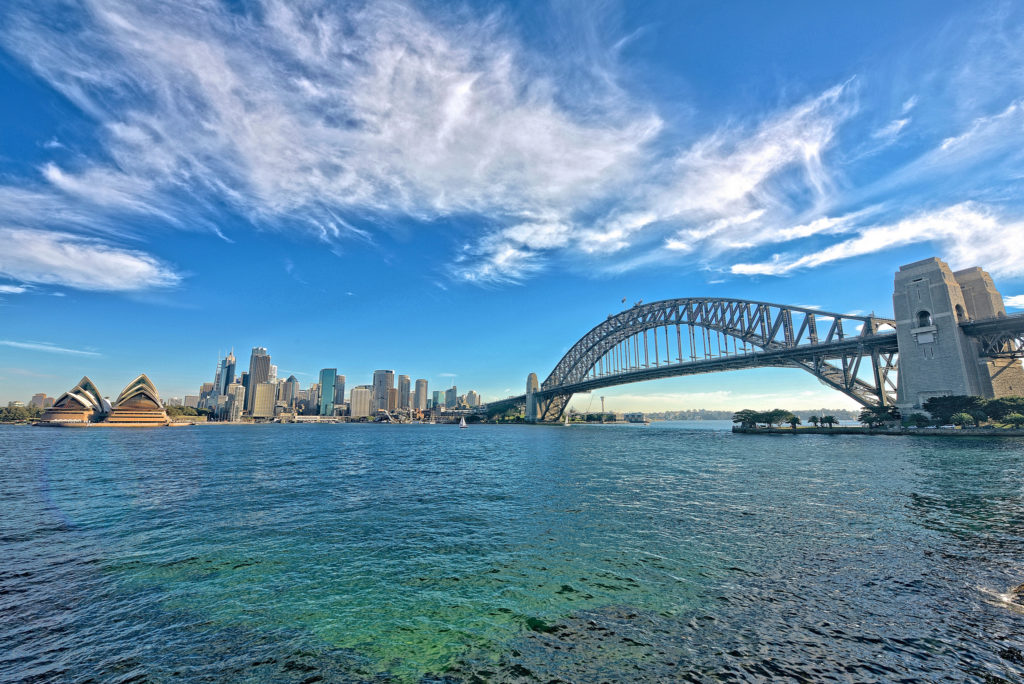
1003	324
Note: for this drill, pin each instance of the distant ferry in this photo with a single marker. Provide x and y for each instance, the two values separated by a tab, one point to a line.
637	418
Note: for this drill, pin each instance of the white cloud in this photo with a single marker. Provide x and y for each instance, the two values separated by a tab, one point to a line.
12	289
967	232
727	182
285	111
328	116
34	256
1014	302
47	347
892	130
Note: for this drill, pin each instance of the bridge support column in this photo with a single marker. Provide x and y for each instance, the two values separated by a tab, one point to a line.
936	357
531	398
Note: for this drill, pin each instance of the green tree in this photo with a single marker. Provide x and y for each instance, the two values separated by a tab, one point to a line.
917	419
874	416
943	408
777	416
998	409
813	420
829	420
1014	419
747	418
963	419
793	421
14	414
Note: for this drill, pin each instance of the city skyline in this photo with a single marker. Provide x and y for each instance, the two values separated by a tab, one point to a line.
473	211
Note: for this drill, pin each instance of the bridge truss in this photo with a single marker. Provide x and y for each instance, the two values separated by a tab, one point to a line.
702	335
998	338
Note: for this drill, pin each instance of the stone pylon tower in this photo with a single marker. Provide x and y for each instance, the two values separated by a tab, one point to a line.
936	357
531	400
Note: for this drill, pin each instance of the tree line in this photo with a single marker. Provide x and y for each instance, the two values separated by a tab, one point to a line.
963	411
750	419
19	414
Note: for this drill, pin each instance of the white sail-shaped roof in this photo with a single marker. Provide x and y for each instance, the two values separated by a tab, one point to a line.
86	394
141	386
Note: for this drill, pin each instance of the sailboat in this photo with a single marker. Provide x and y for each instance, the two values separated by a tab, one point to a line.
566	420
462	422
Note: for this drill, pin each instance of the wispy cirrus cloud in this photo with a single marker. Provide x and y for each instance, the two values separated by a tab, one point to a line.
327	117
49	257
324	110
13	289
47	347
968	234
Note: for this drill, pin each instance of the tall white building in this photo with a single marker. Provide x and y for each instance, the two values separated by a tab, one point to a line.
383	381
472	399
420	400
359	401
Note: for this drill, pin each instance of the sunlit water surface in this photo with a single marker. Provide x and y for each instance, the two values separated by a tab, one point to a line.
674	552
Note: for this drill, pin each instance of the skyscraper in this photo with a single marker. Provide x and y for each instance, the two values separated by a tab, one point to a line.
263	395
451	397
327	379
225	374
359	401
236	401
383	380
420	403
290	391
403	391
392	399
259	372
437	400
339	390
472	399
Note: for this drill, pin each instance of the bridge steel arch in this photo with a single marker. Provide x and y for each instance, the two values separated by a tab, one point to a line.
691	335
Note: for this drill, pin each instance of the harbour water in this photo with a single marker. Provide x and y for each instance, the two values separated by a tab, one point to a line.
418	553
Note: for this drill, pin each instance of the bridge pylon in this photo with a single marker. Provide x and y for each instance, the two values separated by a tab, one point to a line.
931	304
532	385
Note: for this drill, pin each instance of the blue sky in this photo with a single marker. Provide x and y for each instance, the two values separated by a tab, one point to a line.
459	192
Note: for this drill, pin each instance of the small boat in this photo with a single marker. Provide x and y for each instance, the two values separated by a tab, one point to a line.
566	420
462	423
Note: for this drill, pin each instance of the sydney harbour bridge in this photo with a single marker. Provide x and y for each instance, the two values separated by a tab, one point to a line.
853	354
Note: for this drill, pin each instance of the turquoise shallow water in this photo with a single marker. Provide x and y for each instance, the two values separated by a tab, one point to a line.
676	552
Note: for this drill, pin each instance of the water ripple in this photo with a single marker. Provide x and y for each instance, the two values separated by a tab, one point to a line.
512	554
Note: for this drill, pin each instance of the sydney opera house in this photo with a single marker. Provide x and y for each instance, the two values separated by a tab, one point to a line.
138	405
